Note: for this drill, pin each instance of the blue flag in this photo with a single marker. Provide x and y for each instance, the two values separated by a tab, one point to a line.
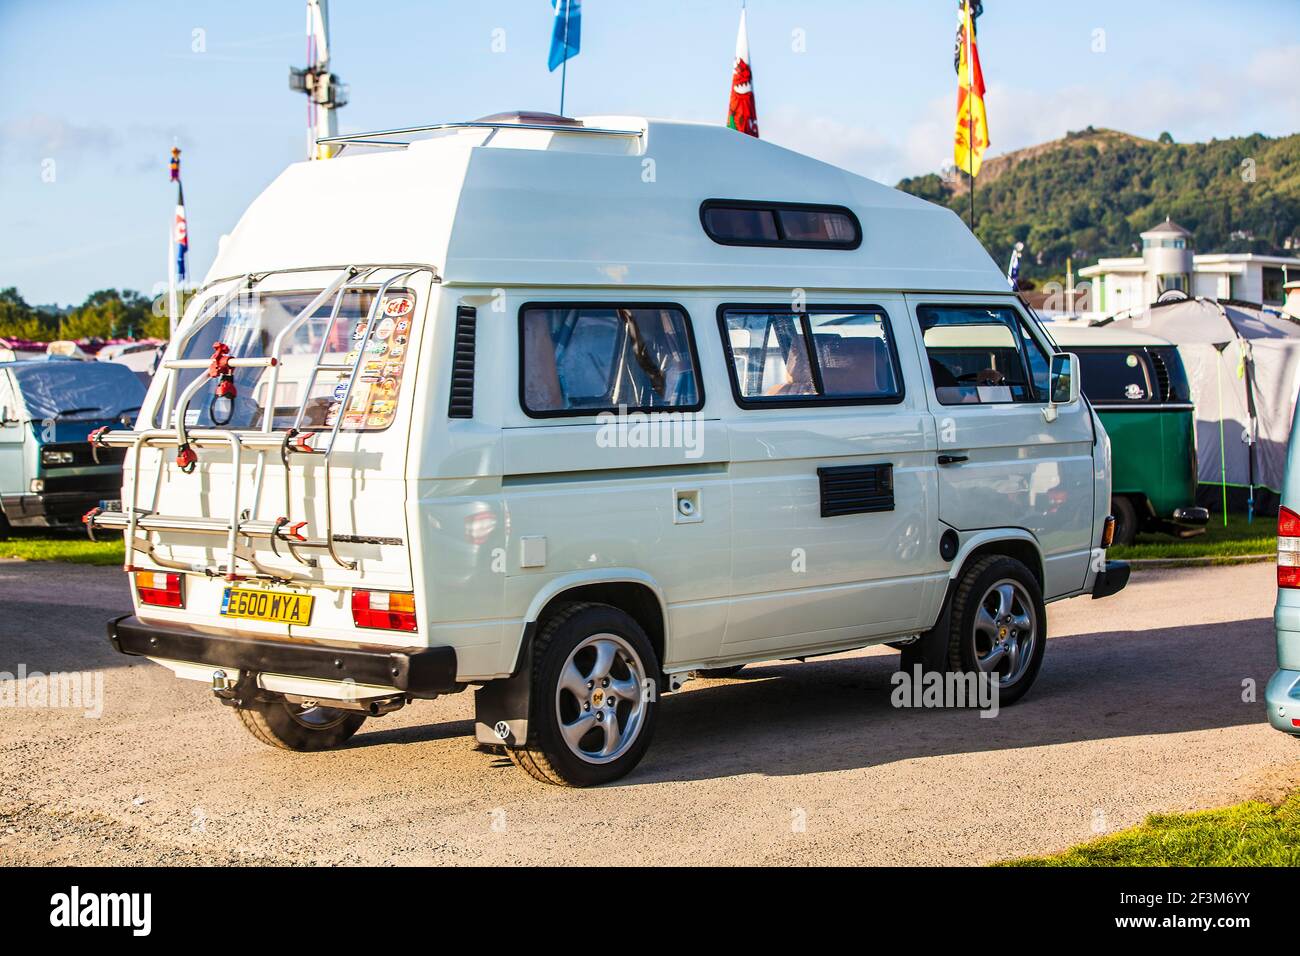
567	32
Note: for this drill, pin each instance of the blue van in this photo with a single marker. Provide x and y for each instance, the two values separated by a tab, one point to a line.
48	407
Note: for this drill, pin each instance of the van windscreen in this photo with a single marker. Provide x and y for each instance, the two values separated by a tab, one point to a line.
249	326
86	391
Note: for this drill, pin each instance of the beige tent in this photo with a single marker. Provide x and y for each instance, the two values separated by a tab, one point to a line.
1243	364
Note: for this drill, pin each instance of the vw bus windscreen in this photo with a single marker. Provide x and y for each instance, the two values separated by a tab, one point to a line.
249	326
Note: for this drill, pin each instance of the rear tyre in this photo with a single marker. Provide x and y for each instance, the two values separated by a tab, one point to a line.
995	623
278	723
590	719
4	527
1126	519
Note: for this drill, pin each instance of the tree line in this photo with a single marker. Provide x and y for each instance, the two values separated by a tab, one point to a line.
1092	193
106	314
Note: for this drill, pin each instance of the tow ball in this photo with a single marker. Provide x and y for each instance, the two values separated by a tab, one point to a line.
234	693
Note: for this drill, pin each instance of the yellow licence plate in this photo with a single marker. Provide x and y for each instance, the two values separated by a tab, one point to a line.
283	606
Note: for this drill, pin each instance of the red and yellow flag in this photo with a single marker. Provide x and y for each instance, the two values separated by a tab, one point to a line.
972	134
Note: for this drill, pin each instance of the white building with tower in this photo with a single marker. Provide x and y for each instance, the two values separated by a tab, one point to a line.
1169	263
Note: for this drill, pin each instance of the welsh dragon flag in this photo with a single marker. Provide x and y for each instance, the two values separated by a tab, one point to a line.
741	112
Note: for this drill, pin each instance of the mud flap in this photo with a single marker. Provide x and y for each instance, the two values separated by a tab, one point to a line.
501	711
501	706
930	651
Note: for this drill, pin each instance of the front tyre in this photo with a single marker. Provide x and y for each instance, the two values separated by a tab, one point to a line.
592	714
278	723
998	625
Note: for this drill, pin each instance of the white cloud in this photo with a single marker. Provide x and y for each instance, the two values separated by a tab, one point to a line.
1259	95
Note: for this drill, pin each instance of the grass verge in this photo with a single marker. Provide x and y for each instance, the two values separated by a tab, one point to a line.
69	548
1238	538
1247	834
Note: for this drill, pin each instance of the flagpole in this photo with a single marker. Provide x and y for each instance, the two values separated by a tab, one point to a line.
970	110
171	279
564	65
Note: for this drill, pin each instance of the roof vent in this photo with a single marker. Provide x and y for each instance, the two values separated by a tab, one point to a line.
527	118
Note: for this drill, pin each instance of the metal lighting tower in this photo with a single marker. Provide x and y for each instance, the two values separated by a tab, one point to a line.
325	92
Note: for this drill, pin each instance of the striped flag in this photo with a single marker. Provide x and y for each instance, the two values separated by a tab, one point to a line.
180	229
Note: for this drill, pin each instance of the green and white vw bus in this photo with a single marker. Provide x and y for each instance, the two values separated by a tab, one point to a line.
1138	386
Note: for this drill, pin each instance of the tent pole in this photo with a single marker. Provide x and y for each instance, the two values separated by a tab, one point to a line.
1223	461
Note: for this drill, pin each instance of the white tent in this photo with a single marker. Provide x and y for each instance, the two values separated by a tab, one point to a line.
1243	365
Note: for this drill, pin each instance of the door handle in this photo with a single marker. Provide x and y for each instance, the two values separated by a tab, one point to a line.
952	459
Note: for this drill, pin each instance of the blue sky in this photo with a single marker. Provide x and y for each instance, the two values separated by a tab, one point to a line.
104	88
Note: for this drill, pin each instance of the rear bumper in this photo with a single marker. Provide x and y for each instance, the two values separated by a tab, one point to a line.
1191	516
1282	698
418	672
1111	579
49	510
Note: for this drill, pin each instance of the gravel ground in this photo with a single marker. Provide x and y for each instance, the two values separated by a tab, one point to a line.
1139	708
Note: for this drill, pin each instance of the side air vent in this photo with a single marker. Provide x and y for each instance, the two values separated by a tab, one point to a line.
462	364
1162	375
856	489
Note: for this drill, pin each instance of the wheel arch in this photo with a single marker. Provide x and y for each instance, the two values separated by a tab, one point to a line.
631	591
507	700
1014	542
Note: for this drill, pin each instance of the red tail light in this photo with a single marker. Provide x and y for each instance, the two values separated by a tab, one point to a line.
386	610
1288	548
161	588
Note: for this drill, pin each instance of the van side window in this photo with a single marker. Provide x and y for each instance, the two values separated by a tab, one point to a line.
8	405
978	354
830	355
582	359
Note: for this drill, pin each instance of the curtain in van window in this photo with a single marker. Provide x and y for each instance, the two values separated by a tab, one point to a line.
587	359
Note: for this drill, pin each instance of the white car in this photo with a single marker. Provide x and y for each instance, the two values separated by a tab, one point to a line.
569	410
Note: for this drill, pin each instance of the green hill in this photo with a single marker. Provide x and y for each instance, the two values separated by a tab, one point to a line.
1090	195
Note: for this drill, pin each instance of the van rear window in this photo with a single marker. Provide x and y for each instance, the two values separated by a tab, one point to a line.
583	359
734	222
249	326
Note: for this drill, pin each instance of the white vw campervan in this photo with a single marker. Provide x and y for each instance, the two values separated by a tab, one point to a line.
565	411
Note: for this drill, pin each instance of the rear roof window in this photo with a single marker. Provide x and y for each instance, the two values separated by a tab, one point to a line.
736	222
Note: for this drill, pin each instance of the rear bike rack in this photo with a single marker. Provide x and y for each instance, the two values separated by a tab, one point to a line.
139	524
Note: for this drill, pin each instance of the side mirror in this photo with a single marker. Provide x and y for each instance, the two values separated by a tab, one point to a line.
1063	384
1064	379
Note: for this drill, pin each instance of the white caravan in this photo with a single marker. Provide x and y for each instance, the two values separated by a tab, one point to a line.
566	411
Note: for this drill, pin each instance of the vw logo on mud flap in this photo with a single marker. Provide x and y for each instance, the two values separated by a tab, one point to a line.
502	729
